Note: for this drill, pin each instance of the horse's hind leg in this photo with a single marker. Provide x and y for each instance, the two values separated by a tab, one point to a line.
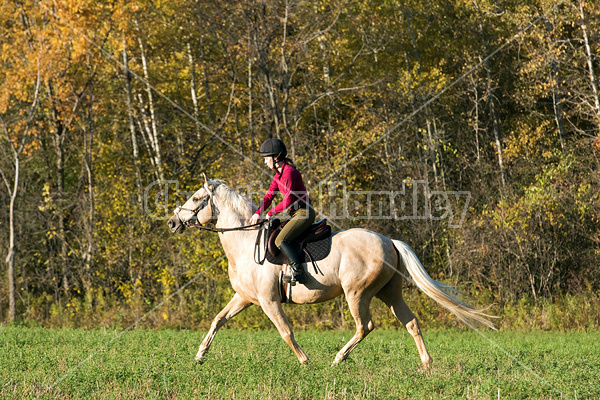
234	307
359	308
391	295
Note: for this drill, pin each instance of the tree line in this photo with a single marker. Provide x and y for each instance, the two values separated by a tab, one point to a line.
100	101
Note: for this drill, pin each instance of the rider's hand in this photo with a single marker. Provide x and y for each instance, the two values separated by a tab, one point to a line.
255	219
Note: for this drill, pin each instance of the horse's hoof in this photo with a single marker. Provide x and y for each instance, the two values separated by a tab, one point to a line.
426	366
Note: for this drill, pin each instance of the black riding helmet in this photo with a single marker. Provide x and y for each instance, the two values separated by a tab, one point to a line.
273	147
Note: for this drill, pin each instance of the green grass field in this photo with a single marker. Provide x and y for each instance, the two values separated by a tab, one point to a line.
68	363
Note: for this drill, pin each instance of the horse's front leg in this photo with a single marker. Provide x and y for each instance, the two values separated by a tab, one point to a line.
275	313
235	306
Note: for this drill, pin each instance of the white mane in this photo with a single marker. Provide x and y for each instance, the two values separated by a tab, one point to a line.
240	204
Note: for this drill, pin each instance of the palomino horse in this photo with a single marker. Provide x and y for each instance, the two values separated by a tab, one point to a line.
362	264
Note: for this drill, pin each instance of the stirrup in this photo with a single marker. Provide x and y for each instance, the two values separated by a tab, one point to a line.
290	279
298	278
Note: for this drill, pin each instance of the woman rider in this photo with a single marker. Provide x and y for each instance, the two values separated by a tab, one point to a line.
288	182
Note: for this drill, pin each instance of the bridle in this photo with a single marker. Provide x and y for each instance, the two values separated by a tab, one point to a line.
215	211
194	213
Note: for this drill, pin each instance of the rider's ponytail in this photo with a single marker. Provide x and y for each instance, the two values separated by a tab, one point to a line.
284	160
288	161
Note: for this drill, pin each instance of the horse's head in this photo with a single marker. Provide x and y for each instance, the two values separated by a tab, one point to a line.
197	210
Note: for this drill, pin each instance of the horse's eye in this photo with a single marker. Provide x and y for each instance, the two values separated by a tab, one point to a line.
196	199
203	204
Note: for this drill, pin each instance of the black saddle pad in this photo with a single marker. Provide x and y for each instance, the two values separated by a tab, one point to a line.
313	245
316	250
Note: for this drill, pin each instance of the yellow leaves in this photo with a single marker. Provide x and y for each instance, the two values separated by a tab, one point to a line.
165	278
47	205
546	206
133	6
79	48
588	203
32	146
127	290
596	145
530	141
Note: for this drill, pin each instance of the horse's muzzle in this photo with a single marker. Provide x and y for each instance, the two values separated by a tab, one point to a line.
175	224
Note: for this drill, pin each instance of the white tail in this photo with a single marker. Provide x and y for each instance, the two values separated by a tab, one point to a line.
439	291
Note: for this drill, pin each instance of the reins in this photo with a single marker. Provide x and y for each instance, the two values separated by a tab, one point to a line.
208	228
263	234
211	229
237	228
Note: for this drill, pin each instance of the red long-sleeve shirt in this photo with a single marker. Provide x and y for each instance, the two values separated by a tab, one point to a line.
289	183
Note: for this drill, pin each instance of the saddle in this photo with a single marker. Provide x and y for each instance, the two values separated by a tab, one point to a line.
314	244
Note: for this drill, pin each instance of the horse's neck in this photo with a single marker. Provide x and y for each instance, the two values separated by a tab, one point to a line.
235	243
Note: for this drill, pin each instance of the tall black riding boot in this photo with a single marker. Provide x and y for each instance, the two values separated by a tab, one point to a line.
294	261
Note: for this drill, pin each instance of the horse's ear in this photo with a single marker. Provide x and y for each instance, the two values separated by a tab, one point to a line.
206	184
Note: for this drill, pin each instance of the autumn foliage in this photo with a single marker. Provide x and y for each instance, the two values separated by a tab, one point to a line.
99	100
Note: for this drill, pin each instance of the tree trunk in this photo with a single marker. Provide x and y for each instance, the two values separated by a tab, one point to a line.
557	104
491	100
88	221
250	121
272	102
285	84
430	142
591	75
496	129
556	96
211	116
194	90
153	132
10	257
432	147
476	121
134	144
439	156
60	195
263	50
58	139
